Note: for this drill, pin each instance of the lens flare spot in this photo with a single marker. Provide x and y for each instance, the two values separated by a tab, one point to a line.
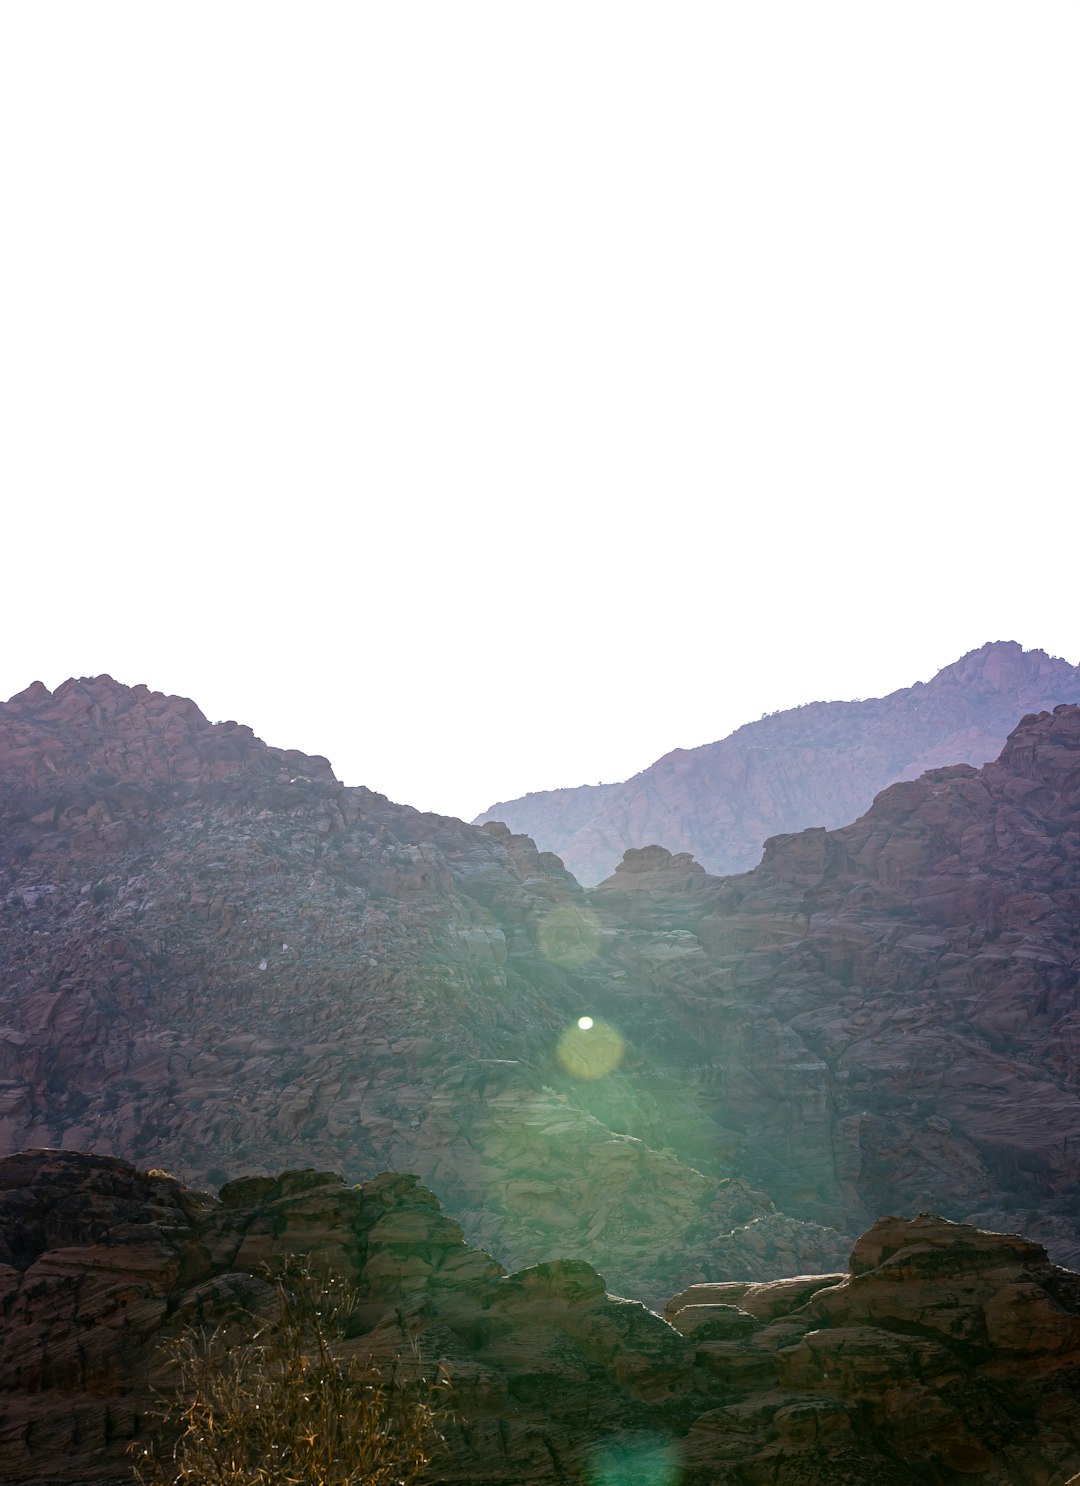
636	1461
590	1049
569	936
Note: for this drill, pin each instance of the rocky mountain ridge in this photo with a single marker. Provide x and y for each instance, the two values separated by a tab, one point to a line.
213	955
894	1004
939	1353
815	765
212	952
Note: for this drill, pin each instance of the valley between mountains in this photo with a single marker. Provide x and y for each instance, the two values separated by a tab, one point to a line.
215	956
216	959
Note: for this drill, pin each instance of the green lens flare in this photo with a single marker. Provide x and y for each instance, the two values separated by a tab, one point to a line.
589	1049
635	1461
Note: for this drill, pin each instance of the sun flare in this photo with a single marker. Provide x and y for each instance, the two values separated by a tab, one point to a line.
589	1049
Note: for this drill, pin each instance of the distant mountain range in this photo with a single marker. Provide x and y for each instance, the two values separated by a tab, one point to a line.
818	765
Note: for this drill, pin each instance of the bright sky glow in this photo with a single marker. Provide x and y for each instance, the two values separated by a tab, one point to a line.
495	397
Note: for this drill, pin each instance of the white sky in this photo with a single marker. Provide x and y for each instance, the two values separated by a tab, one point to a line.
495	396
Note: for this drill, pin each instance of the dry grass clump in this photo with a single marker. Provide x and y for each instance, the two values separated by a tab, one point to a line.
287	1407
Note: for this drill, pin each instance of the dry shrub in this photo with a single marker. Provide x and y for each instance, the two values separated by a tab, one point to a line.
287	1407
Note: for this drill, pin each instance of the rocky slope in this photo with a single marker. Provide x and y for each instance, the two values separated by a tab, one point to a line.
819	765
890	1011
211	952
940	1353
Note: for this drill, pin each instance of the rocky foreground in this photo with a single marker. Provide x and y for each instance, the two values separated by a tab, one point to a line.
941	1354
817	765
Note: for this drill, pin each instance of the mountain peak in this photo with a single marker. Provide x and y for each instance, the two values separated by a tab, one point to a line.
1003	665
816	765
94	723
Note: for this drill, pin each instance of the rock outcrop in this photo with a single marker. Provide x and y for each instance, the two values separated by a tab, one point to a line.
909	1368
940	1353
817	765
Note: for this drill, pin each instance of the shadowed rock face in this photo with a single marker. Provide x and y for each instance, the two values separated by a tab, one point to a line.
941	1352
818	765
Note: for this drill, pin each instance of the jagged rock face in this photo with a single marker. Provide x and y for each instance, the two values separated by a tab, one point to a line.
891	1009
941	1352
818	765
212	952
92	741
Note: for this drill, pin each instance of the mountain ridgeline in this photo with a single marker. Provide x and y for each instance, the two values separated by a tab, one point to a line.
820	764
212	955
214	958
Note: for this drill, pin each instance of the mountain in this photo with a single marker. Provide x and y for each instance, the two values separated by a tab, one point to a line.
936	1354
212	954
821	765
891	1010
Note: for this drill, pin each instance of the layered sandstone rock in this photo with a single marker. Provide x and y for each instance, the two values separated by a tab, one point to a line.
941	1353
818	765
911	1351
